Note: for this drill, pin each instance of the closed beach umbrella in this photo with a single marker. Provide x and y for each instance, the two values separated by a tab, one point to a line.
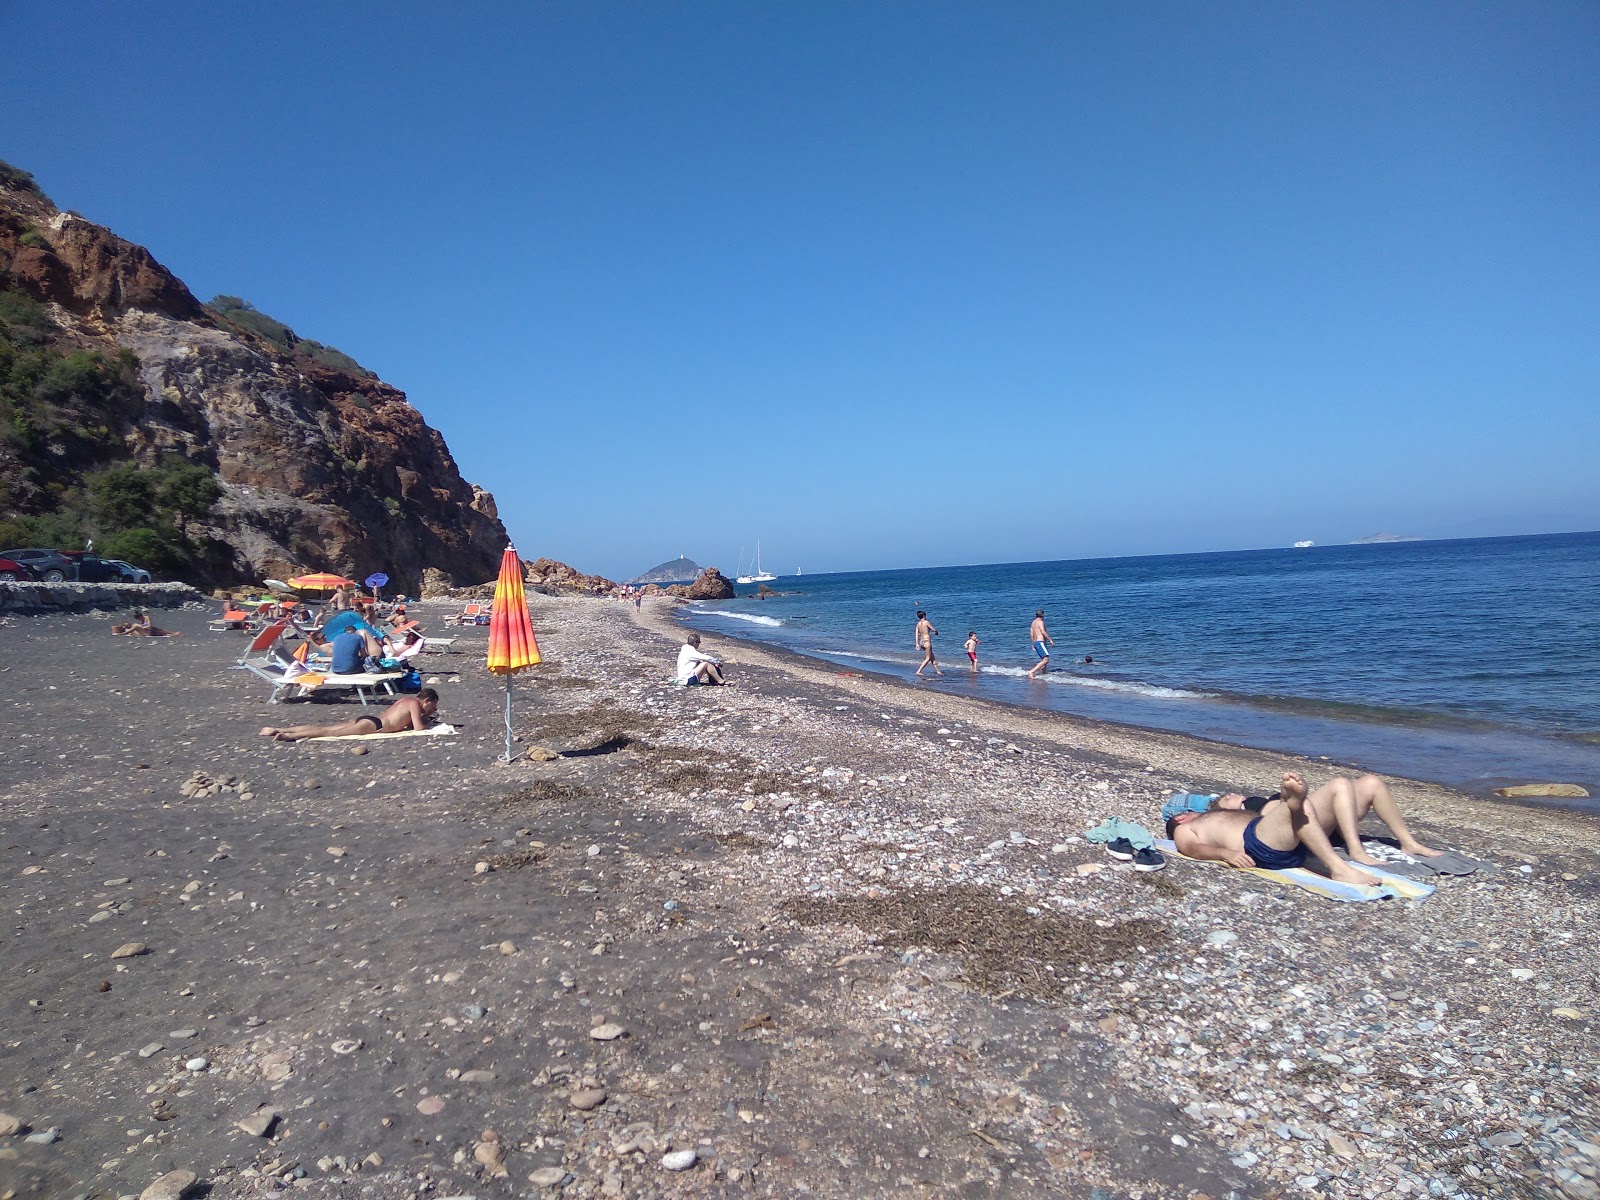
512	646
320	582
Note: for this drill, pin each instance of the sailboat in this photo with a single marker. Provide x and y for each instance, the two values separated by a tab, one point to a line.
760	576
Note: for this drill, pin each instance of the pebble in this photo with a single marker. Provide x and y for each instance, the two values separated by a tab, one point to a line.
130	950
474	1012
1509	1137
430	1106
197	1064
1521	973
170	1186
679	1160
8	1125
347	1045
337	851
260	1122
608	1032
508	948
151	1050
587	1099
477	1077
180	1034
1221	937
547	1176
119	881
44	1137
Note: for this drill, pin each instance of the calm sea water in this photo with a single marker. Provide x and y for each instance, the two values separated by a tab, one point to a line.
1474	663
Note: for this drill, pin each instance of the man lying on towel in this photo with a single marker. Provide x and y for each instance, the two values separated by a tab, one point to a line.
408	712
1341	805
1283	835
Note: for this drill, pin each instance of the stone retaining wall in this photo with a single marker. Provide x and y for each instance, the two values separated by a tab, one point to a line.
81	597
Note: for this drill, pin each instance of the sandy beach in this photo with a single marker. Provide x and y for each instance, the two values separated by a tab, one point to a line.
822	933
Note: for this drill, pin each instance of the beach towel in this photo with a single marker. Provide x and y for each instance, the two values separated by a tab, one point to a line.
1392	887
432	731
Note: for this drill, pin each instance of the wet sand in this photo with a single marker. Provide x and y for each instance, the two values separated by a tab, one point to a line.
850	931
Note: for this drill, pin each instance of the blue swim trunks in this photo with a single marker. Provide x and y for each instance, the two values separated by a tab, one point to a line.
1266	856
1041	650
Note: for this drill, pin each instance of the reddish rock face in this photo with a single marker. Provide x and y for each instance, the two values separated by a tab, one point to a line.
547	573
322	469
711	584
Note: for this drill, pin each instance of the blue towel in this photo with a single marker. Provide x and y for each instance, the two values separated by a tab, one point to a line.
1185	802
1113	828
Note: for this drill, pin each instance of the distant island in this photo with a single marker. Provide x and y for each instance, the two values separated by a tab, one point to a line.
677	570
1373	539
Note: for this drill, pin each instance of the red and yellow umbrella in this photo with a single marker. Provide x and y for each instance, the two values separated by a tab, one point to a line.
512	646
321	582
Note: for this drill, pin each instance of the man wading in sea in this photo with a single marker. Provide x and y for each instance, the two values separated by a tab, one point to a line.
925	632
1042	641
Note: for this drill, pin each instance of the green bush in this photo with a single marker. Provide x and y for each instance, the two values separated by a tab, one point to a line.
241	313
18	178
142	547
32	237
19	309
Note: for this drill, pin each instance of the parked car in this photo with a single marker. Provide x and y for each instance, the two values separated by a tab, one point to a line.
52	566
11	571
130	573
91	568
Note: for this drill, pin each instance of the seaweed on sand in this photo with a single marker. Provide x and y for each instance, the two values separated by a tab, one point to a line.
606	718
1007	950
544	793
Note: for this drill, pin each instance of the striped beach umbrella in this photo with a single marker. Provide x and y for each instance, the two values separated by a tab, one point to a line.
512	646
320	582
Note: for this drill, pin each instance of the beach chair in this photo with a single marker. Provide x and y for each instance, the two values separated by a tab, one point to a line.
471	614
311	683
233	618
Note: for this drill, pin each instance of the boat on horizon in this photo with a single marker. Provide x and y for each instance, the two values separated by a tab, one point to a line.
759	576
1305	545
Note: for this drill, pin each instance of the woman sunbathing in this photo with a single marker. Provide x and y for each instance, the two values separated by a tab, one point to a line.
141	626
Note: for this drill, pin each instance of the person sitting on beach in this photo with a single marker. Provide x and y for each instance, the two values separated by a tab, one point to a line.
354	651
1279	838
141	626
408	712
695	667
1340	805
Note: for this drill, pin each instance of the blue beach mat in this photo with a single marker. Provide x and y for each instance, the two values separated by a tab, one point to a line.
1393	887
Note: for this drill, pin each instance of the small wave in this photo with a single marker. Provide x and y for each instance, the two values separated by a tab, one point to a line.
1131	687
736	616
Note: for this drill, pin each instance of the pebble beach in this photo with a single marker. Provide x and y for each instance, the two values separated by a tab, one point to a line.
819	933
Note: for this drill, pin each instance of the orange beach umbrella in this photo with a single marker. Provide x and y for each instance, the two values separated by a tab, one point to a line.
512	646
320	582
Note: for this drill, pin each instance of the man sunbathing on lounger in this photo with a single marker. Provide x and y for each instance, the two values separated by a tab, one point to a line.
1343	804
1281	836
408	712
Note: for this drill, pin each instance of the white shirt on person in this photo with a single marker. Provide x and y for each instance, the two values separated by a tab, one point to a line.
688	656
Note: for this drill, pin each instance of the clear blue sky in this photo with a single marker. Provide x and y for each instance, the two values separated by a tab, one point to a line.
891	284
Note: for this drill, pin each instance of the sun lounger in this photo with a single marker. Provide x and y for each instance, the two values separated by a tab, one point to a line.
232	618
311	683
433	645
471	614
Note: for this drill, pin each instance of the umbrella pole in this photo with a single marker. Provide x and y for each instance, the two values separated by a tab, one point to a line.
508	717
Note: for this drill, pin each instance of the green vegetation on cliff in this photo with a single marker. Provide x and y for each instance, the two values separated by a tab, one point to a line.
65	469
243	315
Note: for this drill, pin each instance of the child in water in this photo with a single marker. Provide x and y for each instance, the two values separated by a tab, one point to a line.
971	647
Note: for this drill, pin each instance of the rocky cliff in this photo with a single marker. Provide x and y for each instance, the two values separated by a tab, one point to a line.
320	468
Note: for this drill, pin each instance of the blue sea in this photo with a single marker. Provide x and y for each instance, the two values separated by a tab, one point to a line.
1474	663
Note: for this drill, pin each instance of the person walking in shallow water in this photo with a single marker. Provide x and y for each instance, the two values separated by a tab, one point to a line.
1042	641
971	647
925	632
